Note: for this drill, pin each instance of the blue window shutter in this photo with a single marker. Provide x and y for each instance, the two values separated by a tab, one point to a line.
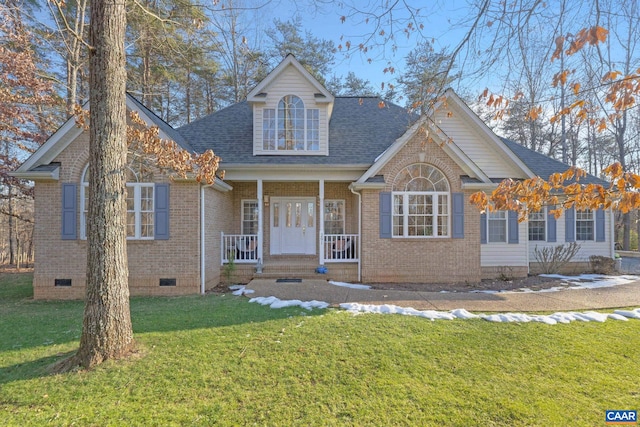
512	224
570	225
483	228
600	225
69	212
551	225
458	215
161	212
385	215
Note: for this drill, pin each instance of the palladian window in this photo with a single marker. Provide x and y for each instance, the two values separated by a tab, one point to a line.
421	202
290	127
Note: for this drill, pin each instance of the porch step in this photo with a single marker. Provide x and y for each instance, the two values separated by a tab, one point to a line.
289	271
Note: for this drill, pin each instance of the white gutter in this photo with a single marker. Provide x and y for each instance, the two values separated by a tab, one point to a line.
202	243
359	231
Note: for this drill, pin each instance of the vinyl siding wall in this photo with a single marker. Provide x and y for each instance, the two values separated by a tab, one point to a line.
473	143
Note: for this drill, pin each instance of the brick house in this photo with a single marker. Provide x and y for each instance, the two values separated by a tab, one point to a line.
363	188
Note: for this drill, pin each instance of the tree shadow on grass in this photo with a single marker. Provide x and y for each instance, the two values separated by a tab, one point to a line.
47	323
38	368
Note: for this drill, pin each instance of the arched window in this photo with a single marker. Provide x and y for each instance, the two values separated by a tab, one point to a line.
140	202
421	202
290	127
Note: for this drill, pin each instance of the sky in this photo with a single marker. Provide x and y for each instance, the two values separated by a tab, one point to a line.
585	281
324	21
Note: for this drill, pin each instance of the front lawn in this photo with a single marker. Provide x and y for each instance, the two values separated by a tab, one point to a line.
220	360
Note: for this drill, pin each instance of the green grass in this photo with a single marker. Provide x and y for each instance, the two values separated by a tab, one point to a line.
218	360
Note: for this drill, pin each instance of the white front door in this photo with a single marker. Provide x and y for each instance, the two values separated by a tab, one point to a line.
293	226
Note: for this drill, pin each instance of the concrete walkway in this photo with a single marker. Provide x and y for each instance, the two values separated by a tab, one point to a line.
627	295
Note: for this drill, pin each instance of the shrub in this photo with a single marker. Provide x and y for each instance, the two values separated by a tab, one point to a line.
602	264
553	258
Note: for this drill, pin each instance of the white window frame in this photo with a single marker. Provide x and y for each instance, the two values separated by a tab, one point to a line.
500	216
542	212
137	210
342	212
435	214
244	207
592	220
310	130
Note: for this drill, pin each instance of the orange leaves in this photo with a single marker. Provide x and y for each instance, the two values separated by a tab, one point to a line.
576	88
586	36
560	78
563	191
611	76
534	113
167	155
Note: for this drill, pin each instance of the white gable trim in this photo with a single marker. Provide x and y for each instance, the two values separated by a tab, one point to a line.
500	147
61	139
449	147
48	151
290	60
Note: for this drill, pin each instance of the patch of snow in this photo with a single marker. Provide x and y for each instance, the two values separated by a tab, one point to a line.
274	302
591	281
349	285
240	290
552	319
632	314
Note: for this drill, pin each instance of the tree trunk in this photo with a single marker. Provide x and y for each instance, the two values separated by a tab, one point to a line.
106	329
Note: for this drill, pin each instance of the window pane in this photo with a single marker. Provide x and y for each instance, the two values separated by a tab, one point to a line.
497	224
276	214
288	214
268	129
291	123
298	214
310	214
584	225
146	224
250	217
334	216
537	226
313	126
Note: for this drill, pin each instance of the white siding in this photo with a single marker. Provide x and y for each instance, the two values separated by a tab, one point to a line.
290	82
587	248
476	145
506	254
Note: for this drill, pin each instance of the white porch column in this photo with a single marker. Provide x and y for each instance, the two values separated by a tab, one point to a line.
260	219
321	220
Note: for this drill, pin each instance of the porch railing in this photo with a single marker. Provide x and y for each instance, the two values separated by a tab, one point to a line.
340	247
243	248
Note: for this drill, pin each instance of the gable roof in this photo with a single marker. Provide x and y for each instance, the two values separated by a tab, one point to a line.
257	94
39	165
359	131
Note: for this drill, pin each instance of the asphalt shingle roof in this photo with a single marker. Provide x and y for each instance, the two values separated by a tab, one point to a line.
543	166
359	131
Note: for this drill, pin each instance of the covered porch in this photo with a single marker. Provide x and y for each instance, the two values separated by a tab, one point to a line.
290	229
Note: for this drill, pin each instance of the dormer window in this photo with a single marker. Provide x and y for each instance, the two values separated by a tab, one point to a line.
291	127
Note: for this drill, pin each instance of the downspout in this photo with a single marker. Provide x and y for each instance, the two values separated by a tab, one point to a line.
359	232
202	243
612	240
